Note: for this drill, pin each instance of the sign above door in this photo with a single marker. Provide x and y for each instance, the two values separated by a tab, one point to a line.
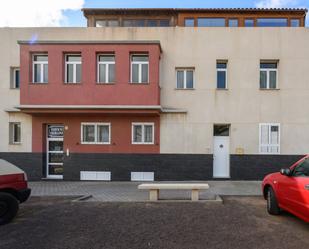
55	131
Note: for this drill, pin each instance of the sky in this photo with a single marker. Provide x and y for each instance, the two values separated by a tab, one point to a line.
67	13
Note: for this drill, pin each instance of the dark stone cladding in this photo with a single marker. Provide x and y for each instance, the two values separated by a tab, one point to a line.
256	167
166	167
31	163
174	167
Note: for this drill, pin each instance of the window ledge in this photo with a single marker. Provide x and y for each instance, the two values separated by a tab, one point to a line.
104	83
136	83
94	144
143	144
184	88
269	153
269	89
38	83
222	89
71	83
15	143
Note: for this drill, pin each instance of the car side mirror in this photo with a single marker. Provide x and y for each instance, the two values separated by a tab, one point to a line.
285	172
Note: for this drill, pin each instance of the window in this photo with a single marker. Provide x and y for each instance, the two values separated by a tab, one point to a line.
211	22
249	23
302	169
272	22
233	22
268	75
270	138
106	68
142	176
152	23
189	22
139	68
142	133
222	130
15	78
158	23
73	68
164	23
14	133
40	68
146	23
221	75
134	23
95	133
184	78
107	23
295	22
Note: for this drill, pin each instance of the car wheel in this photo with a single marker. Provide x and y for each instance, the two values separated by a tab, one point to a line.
272	204
8	208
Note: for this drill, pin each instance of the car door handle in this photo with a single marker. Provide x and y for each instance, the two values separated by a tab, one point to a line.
307	186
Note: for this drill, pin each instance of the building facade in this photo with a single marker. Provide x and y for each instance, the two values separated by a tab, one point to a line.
193	94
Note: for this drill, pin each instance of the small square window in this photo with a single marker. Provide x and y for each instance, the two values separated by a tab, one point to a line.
164	23
249	23
295	23
95	133
233	22
142	133
189	22
107	23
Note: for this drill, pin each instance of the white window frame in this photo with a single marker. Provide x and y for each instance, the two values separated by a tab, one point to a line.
95	124
143	132
107	63
185	77
14	77
41	63
222	70
139	63
74	63
269	134
12	139
268	70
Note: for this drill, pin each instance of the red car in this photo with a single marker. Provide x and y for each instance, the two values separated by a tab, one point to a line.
289	190
13	190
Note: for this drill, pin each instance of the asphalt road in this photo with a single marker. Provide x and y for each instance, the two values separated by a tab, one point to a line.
241	222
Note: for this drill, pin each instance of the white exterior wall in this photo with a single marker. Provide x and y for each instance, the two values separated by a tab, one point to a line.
243	105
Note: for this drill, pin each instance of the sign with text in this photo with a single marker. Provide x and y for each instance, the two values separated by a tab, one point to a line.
55	131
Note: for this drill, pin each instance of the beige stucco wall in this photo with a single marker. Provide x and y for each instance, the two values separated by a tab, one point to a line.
243	105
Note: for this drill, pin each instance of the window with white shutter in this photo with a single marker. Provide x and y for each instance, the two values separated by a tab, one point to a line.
269	138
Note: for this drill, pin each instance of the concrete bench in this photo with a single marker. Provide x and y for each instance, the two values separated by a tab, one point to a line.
154	189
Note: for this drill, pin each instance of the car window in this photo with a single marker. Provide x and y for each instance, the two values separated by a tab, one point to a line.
302	169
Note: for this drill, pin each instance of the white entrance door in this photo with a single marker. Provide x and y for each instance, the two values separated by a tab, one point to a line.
54	153
221	165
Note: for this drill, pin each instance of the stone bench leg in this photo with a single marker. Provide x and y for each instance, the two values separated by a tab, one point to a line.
195	195
153	194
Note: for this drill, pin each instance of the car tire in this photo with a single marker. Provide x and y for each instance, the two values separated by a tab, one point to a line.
9	206
272	204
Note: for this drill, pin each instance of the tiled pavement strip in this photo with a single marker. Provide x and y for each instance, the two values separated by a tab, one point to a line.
127	191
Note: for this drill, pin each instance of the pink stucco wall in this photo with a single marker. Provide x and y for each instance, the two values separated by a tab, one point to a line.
88	92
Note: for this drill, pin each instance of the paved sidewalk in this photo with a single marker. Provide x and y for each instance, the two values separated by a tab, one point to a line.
127	191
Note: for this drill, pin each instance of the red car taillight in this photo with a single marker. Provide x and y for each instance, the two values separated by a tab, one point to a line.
25	177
